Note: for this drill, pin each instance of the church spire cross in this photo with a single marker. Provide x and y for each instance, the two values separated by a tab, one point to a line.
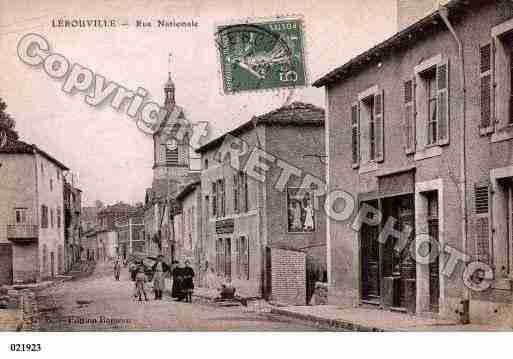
169	87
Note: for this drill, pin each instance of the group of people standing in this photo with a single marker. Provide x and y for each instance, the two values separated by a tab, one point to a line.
181	274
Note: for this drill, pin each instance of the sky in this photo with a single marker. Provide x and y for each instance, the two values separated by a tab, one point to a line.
113	159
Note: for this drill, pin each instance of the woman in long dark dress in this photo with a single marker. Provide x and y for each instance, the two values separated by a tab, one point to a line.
177	289
188	282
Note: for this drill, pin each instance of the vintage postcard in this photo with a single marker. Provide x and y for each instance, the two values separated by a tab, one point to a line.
291	166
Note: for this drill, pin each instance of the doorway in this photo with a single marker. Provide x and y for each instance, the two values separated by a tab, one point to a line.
370	260
5	263
228	259
398	265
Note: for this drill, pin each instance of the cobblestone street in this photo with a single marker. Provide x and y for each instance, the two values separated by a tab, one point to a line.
99	303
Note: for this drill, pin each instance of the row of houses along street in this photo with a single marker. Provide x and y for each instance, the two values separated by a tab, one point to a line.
418	127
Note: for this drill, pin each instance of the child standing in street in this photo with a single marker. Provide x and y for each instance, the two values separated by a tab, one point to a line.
140	280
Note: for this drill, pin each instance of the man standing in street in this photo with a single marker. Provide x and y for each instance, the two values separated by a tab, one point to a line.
140	280
117	269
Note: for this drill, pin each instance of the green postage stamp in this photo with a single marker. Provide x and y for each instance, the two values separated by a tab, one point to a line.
266	54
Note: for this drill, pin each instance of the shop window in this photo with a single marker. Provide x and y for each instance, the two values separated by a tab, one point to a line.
301	215
242	259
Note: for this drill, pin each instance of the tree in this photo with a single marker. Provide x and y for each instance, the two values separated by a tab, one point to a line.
7	123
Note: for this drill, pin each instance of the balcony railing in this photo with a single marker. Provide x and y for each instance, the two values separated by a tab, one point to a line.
22	232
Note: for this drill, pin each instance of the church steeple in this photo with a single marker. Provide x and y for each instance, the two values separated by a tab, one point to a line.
169	88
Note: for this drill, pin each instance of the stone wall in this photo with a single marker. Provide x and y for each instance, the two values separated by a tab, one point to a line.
288	276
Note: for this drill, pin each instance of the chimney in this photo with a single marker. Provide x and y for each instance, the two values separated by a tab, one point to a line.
411	11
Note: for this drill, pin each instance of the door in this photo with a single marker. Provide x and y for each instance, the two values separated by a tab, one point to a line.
5	263
370	259
228	259
434	271
407	265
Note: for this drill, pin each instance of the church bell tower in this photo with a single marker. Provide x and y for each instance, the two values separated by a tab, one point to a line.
171	149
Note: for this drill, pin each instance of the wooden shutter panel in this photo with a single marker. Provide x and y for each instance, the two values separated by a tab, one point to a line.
355	128
214	199
409	115
379	126
236	193
486	85
481	225
442	83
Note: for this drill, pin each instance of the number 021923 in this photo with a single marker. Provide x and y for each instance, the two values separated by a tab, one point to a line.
25	347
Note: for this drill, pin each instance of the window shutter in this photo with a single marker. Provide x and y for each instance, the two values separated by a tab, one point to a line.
379	126
485	79
355	128
481	227
442	82
214	199
409	115
236	193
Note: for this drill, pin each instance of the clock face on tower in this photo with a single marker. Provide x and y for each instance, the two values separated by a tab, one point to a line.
171	144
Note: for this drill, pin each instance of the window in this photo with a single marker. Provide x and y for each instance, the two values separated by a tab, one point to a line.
430	78
58	217
58	175
367	128
221	198
301	215
240	192
42	169
44	216
206	163
496	75
429	94
20	215
51	217
51	184
368	106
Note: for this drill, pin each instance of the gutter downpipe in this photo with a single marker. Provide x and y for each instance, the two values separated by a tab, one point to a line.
465	303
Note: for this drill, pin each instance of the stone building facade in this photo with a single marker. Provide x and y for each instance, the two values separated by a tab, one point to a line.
31	212
244	213
187	225
420	129
72	222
